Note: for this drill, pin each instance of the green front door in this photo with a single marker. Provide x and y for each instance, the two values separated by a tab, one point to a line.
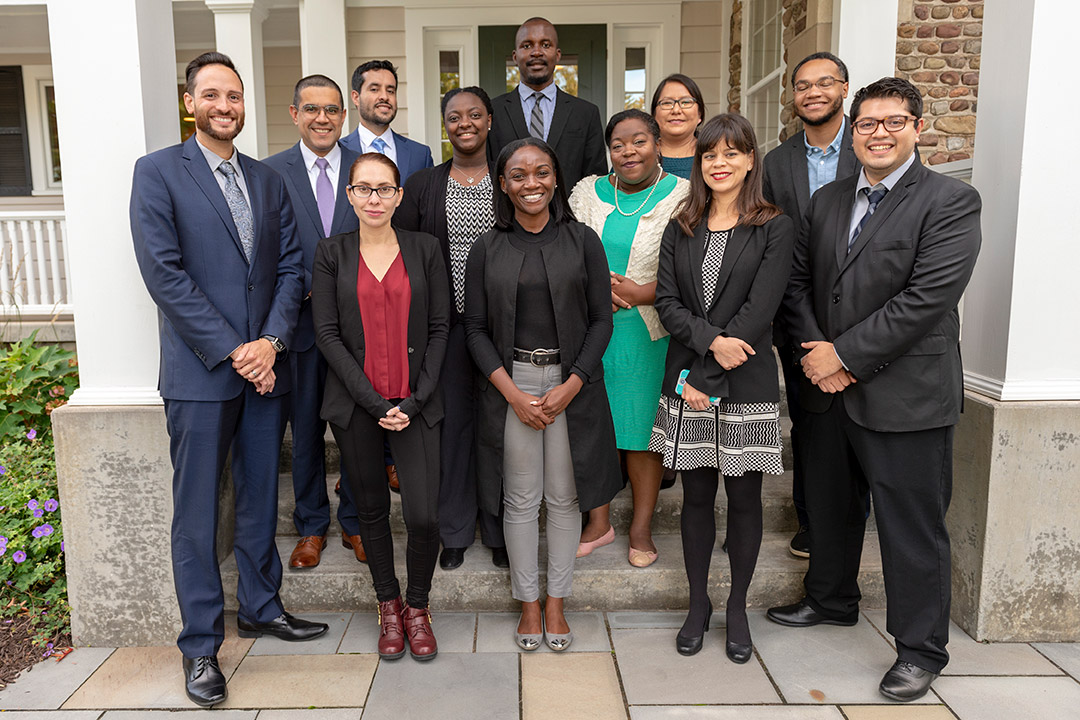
581	72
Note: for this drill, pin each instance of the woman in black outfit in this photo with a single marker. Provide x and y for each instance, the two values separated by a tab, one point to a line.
455	202
724	264
381	305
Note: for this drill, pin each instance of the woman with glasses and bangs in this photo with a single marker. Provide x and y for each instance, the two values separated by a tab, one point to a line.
381	309
679	109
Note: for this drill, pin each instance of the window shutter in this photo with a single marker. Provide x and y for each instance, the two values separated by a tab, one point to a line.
14	146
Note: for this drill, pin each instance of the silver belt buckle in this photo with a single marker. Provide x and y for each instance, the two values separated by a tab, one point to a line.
533	353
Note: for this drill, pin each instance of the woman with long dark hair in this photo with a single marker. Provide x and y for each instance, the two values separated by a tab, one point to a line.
537	322
724	264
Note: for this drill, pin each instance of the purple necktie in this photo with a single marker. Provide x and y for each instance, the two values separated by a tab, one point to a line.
324	195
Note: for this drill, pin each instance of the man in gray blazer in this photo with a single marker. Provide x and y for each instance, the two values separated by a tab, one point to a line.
794	171
872	302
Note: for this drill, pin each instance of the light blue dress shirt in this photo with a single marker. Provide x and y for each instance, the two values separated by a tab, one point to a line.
821	165
547	104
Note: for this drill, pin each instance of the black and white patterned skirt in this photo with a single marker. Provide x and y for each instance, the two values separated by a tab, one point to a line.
732	437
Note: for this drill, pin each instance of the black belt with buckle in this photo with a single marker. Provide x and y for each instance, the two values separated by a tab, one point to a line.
538	357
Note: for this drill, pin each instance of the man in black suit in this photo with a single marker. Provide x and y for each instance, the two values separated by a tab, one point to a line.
570	125
794	171
316	174
873	303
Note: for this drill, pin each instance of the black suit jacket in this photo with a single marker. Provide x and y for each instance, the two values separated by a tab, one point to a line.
339	329
889	305
576	134
749	289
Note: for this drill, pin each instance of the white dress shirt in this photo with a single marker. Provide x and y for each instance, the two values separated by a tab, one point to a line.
367	137
333	159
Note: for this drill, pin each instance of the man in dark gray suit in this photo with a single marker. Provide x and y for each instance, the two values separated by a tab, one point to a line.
537	108
872	301
794	171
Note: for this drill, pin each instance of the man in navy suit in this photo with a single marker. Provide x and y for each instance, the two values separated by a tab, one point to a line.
374	93
316	174
216	243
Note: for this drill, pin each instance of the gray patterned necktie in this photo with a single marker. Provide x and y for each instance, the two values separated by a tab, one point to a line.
536	123
241	213
874	196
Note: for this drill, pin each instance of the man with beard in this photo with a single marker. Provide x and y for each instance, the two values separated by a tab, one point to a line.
216	243
794	171
570	125
374	93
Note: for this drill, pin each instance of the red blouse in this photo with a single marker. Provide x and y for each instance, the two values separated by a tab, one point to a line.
384	312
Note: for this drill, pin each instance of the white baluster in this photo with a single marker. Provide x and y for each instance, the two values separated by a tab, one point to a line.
54	263
39	263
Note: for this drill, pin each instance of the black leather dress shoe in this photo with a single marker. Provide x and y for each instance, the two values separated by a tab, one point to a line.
284	627
906	682
685	645
451	558
499	558
204	681
738	653
802	615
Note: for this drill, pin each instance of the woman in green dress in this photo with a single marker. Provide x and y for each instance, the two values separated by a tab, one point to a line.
629	209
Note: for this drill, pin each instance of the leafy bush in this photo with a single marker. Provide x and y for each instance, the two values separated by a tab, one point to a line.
34	379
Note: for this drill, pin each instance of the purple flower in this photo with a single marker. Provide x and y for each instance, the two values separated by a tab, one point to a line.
3	540
3	549
32	505
51	505
44	530
19	556
61	546
32	434
2	469
38	513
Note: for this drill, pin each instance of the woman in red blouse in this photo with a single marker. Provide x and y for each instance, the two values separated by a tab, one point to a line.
381	306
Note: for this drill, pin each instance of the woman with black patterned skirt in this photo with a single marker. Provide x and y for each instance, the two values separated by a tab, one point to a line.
724	265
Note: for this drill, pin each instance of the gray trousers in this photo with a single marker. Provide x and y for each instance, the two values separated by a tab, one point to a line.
537	465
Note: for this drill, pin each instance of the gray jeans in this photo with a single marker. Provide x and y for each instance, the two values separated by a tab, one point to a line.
537	465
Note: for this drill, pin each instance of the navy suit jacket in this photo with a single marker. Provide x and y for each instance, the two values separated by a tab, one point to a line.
290	165
210	300
411	155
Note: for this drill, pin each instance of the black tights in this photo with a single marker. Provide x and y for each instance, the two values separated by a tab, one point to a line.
699	537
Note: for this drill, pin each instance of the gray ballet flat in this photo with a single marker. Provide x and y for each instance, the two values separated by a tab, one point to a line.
528	641
558	641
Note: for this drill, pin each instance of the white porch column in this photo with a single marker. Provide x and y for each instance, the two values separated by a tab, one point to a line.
238	34
864	35
322	41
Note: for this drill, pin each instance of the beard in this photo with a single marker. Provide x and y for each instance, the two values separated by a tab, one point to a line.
204	125
537	76
371	115
829	114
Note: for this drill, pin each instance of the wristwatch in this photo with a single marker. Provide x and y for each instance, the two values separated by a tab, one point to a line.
279	347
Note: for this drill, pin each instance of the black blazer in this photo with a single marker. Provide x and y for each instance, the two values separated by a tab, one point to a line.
423	209
889	305
576	134
339	330
757	261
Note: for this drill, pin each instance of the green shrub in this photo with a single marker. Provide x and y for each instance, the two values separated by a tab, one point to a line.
34	379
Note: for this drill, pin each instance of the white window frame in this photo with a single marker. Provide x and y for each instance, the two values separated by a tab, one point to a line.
36	78
644	36
452	39
770	79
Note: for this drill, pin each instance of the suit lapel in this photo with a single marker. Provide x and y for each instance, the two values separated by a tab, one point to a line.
842	221
342	207
404	156
800	175
881	215
740	236
258	201
516	114
847	163
696	255
204	178
298	175
559	117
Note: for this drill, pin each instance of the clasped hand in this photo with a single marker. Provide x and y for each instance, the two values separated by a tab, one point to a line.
696	399
625	293
539	412
394	420
730	352
822	367
254	361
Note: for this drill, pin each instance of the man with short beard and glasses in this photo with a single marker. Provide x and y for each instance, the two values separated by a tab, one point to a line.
374	93
537	108
794	171
216	244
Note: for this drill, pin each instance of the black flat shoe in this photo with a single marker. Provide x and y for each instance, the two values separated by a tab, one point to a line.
499	557
451	558
692	645
738	653
800	543
802	615
204	681
905	682
283	627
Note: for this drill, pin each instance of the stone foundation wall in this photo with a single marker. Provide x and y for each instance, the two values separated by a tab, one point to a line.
734	96
794	24
938	48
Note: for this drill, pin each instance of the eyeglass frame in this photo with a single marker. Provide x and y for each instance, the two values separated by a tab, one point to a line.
684	102
378	191
817	83
332	111
881	122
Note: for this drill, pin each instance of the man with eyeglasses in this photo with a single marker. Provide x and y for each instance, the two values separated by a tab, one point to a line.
794	171
316	174
872	302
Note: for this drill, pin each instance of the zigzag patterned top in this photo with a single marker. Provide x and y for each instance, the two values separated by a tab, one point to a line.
470	213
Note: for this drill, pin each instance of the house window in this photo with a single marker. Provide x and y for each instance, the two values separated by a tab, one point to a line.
634	80
763	68
15	178
449	78
187	120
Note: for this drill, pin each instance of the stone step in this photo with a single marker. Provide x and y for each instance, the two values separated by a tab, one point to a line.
602	581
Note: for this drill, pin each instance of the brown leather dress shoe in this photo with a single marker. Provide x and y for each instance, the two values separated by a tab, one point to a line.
308	551
392	478
422	645
353	541
391	632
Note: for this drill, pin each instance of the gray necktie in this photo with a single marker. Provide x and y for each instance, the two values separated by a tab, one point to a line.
536	122
241	213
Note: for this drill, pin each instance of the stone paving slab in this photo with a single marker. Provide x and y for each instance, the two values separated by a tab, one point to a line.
1064	655
312	714
741	712
632	620
968	657
182	714
49	683
998	698
570	686
495	633
301	681
454	633
325	645
477	686
897	712
51	714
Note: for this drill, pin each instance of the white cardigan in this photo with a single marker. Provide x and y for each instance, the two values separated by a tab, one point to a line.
645	248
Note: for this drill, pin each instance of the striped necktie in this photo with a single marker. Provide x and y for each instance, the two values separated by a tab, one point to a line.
536	122
875	195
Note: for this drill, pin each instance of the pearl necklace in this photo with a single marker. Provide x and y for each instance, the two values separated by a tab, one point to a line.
643	204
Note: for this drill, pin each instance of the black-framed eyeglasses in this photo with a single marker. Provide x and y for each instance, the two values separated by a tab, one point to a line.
685	103
893	123
332	111
363	191
822	82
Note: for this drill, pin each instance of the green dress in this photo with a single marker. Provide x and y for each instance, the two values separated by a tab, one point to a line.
633	362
